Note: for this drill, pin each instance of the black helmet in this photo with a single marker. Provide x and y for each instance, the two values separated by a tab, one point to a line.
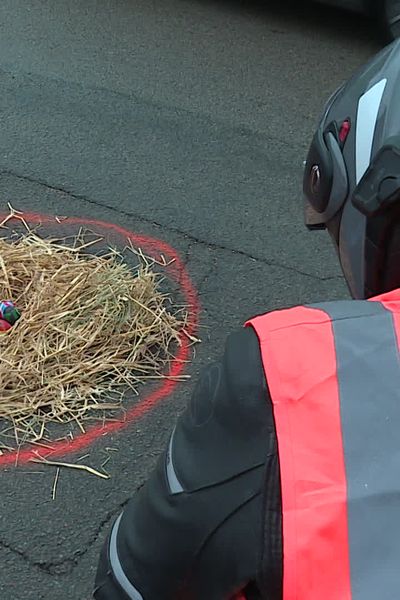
352	175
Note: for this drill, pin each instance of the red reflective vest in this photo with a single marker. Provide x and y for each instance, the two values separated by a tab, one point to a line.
334	379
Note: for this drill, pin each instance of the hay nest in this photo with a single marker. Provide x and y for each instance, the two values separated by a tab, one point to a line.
91	328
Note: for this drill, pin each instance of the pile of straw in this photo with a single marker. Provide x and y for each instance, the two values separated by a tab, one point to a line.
91	328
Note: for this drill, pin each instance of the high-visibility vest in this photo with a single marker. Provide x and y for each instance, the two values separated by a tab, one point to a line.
333	374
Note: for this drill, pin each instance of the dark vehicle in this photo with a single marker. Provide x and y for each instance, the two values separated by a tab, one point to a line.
387	11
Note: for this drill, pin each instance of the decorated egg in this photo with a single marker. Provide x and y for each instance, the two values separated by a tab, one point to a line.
9	312
4	325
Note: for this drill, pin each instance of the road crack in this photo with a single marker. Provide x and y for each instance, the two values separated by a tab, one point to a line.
65	566
170	228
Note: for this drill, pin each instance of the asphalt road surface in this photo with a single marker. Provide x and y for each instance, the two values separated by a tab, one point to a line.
186	120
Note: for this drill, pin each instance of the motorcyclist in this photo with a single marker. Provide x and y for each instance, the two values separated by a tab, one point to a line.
280	480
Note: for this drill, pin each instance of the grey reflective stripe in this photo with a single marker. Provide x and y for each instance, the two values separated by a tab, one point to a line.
173	481
367	115
353	223
116	566
369	388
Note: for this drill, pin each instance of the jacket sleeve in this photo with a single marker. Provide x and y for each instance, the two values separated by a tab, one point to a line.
195	530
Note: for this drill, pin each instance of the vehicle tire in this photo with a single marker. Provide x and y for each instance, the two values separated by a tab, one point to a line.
391	19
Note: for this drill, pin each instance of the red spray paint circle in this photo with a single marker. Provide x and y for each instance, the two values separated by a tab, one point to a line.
177	272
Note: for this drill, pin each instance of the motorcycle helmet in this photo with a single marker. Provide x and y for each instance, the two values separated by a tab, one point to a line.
352	175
